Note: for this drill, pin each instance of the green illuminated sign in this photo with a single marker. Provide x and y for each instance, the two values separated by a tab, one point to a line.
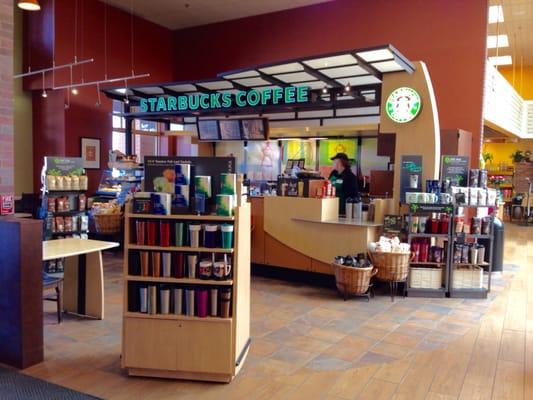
216	100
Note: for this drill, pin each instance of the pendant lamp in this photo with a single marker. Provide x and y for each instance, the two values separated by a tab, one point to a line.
29	5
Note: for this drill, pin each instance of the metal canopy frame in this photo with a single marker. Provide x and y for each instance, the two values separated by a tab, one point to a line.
349	80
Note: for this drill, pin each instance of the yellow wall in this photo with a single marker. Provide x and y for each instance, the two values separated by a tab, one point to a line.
523	83
22	119
502	151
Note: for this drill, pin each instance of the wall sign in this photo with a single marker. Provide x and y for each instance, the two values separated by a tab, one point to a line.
455	168
217	100
403	105
410	175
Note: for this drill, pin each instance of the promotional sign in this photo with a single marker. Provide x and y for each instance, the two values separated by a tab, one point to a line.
160	176
403	105
63	165
455	168
410	175
224	100
392	224
7	204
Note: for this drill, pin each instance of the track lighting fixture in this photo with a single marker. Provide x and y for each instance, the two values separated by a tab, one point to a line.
74	91
44	94
325	89
29	5
347	88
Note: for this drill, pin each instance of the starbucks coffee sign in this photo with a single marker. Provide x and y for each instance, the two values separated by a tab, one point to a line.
403	105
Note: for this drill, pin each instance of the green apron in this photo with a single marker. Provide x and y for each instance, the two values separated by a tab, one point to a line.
337	184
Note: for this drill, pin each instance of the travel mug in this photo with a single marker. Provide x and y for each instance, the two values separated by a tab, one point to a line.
424	251
191	264
480	254
214	302
145	263
413	181
194	231
422	224
434	225
459	224
179	268
178	234
414	224
143	294
140	229
227	236
164	233
156	264
415	251
202	295
225	302
473	254
151	227
164	300
210	236
189	302
178	301
167	265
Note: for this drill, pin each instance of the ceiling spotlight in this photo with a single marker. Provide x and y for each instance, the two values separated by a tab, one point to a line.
98	103
74	91
44	94
126	101
347	88
29	5
325	89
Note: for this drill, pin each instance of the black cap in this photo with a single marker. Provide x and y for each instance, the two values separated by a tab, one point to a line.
340	156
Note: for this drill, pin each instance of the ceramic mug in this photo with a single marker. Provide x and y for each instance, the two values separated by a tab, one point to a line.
422	198
411	197
204	269
221	270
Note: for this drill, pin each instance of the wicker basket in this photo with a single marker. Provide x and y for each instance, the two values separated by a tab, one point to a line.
353	281
107	223
391	267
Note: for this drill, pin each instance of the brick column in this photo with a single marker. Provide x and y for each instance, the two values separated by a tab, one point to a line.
6	98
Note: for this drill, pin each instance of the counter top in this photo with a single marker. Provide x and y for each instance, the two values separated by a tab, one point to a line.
340	221
60	248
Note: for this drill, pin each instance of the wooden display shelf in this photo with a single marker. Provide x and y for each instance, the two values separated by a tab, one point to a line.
176	317
428	235
185	217
182	346
432	263
485	264
500	173
182	248
186	281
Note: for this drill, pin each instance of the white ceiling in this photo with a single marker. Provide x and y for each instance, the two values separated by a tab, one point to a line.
177	14
518	25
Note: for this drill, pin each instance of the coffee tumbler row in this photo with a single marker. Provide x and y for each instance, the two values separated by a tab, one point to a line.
179	265
168	233
201	302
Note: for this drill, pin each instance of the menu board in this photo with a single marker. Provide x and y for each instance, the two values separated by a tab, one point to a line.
208	130
455	168
254	129
230	129
410	175
392	223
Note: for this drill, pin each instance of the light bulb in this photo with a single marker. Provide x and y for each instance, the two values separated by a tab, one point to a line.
126	101
74	91
325	89
347	88
44	94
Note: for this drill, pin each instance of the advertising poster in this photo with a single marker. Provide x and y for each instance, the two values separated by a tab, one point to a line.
455	168
410	175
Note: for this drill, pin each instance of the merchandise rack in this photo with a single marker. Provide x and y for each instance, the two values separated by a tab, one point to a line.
186	346
474	293
426	210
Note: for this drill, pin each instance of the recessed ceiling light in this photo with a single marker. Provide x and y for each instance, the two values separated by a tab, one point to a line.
497	41
495	14
501	60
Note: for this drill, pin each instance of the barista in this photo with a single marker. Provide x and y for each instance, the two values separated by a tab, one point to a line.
344	180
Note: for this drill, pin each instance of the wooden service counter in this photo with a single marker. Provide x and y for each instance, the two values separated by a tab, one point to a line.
305	233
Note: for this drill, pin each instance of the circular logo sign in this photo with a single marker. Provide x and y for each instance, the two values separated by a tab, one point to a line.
403	105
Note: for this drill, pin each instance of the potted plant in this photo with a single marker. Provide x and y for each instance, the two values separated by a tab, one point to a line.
519	156
488	157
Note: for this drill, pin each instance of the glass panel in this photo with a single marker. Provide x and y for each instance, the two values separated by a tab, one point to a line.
118	141
298	149
262	160
145	145
330	147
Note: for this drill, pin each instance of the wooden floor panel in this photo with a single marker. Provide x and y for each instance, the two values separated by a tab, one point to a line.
309	344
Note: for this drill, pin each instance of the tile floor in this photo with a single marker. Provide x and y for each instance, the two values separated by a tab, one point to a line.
309	344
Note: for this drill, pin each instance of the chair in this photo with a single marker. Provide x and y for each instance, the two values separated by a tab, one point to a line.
56	283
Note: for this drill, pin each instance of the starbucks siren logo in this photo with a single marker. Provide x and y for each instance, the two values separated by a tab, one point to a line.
403	105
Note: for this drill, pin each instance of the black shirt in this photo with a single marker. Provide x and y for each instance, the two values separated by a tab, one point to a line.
349	186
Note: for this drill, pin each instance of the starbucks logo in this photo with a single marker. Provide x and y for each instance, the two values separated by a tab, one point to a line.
403	105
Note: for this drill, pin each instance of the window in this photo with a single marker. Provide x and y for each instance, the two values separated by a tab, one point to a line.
118	141
145	145
118	108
